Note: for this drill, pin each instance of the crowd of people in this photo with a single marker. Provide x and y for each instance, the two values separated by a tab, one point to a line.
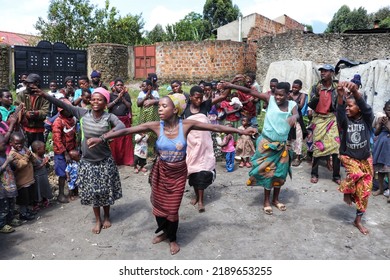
185	133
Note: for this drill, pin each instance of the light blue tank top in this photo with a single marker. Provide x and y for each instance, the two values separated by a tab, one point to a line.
276	128
171	150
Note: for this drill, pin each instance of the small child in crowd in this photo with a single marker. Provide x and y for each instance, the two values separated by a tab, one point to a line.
140	152
245	147
229	150
53	110
64	141
71	173
43	190
22	164
8	192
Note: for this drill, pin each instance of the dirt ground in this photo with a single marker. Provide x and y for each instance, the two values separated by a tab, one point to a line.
316	226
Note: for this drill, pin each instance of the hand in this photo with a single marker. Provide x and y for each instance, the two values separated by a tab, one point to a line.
92	142
250	131
12	119
292	121
384	120
45	160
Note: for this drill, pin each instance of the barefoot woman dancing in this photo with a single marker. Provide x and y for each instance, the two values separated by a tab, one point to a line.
98	180
169	172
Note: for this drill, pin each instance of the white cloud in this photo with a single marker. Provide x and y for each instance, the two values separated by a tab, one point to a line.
162	15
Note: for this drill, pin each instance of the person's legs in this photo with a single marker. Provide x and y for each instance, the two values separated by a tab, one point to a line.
161	223
336	168
381	181
275	200
106	218
200	201
314	169
358	222
267	204
171	234
61	190
98	226
195	200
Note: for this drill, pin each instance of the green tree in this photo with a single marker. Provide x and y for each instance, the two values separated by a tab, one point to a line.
157	34
192	28
220	12
79	23
345	19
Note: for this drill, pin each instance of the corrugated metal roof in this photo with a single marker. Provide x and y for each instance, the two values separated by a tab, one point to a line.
12	39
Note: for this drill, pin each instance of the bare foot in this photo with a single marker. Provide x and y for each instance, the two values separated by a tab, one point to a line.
201	208
174	247
377	192
159	238
348	199
97	228
72	198
106	223
194	201
362	229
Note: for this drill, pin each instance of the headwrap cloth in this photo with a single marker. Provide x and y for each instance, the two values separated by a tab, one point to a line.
179	101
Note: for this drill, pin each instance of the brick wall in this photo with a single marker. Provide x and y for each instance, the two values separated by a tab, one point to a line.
320	48
5	66
207	60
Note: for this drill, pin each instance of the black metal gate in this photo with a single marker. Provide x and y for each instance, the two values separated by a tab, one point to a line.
50	61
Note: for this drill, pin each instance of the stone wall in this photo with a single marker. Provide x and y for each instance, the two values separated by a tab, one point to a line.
320	48
112	60
5	66
207	60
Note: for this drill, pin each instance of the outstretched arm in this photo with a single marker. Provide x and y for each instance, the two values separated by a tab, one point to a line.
195	125
253	92
145	127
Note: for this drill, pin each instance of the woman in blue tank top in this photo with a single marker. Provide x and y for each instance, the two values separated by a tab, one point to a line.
169	173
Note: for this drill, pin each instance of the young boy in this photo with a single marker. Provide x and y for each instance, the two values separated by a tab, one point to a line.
140	152
64	141
72	172
22	162
52	114
355	117
8	192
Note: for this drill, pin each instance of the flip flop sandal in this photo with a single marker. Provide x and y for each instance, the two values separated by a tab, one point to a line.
268	210
242	164
7	229
296	162
280	206
248	164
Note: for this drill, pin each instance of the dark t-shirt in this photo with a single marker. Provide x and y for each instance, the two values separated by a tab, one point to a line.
355	138
205	107
120	108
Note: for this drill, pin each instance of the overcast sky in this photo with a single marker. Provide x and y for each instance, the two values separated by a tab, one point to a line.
21	15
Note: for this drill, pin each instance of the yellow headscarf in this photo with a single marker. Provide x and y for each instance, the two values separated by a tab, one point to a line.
179	101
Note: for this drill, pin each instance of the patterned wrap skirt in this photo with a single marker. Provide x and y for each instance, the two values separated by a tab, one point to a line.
99	182
358	182
326	139
168	180
270	164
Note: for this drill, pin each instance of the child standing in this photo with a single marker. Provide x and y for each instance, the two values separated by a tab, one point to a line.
72	172
43	190
64	141
140	152
22	163
229	150
245	148
8	192
381	149
355	118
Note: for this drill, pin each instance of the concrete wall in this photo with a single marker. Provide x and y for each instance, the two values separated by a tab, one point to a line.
208	60
5	66
320	48
112	60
